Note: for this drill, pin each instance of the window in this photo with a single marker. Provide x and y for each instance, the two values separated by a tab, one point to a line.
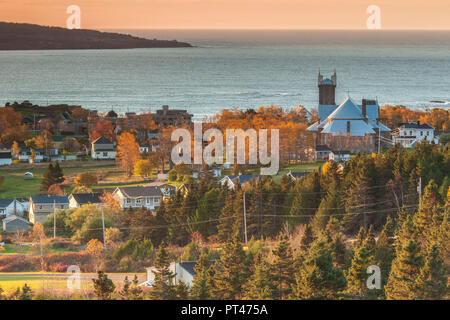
156	200
128	200
148	200
138	201
410	132
40	207
62	206
428	133
421	133
105	154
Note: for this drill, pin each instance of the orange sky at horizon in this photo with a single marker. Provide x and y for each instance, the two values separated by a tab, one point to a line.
231	14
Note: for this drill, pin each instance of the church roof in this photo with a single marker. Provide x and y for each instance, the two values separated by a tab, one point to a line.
346	110
339	127
326	81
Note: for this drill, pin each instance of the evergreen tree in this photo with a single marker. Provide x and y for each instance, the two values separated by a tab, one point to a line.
356	277
136	292
406	267
307	196
432	282
261	285
317	277
103	286
370	241
282	268
58	174
48	178
226	225
230	272
201	284
163	288
384	252
361	237
307	238
125	292
181	291
26	293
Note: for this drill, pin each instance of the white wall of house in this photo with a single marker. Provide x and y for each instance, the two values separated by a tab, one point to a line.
18	210
138	202
5	162
103	155
408	136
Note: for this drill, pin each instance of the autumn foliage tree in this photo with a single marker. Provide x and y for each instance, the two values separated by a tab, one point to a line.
127	152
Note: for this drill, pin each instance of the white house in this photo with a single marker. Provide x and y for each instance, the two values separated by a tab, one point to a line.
42	206
144	149
339	155
25	155
12	207
138	197
5	158
76	200
412	132
103	149
184	271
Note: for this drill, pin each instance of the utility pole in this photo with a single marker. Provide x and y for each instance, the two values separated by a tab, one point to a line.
419	190
54	219
245	221
103	226
379	140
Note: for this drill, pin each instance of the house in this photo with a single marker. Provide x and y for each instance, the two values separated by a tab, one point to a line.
172	117
12	207
138	197
5	158
162	175
25	155
103	149
167	189
42	206
233	180
144	148
347	126
76	200
322	152
408	134
341	155
297	175
183	271
14	223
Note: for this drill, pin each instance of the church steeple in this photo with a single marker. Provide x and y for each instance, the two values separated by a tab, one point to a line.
327	88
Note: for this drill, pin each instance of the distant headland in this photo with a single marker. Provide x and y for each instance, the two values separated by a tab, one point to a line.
22	36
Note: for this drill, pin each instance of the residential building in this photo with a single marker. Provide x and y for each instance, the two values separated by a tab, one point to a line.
42	206
76	200
172	117
14	223
167	189
5	158
12	207
322	152
232	180
138	197
408	134
347	126
103	149
25	155
341	155
297	175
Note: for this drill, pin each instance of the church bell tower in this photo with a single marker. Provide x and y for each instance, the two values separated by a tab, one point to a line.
327	88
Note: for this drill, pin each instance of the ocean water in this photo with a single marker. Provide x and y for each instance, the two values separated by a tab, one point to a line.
244	69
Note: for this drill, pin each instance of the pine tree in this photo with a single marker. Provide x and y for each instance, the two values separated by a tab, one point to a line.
370	241
230	272
58	174
163	288
136	292
282	268
384	252
402	283
26	293
307	238
181	291
330	205
426	220
103	286
432	282
356	277
48	178
201	284
317	277
361	237
261	285
225	227
125	292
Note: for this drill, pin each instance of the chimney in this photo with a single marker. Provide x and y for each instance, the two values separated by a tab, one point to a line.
364	108
165	109
348	127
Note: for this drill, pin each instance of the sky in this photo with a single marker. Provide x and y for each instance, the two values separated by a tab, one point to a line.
231	14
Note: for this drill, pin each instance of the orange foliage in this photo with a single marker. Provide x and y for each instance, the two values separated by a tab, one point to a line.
392	116
103	128
127	152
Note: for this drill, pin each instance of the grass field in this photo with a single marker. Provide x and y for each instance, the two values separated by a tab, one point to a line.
46	280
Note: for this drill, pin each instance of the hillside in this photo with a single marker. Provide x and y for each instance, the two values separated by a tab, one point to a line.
20	36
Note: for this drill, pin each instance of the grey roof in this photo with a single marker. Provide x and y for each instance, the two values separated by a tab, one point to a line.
322	147
139	191
325	111
50	199
5	155
243	178
415	125
102	140
85	198
339	127
5	202
14	217
188	266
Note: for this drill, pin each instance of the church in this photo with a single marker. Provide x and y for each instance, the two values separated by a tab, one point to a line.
348	126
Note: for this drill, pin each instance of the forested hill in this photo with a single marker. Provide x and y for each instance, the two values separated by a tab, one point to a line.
20	36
